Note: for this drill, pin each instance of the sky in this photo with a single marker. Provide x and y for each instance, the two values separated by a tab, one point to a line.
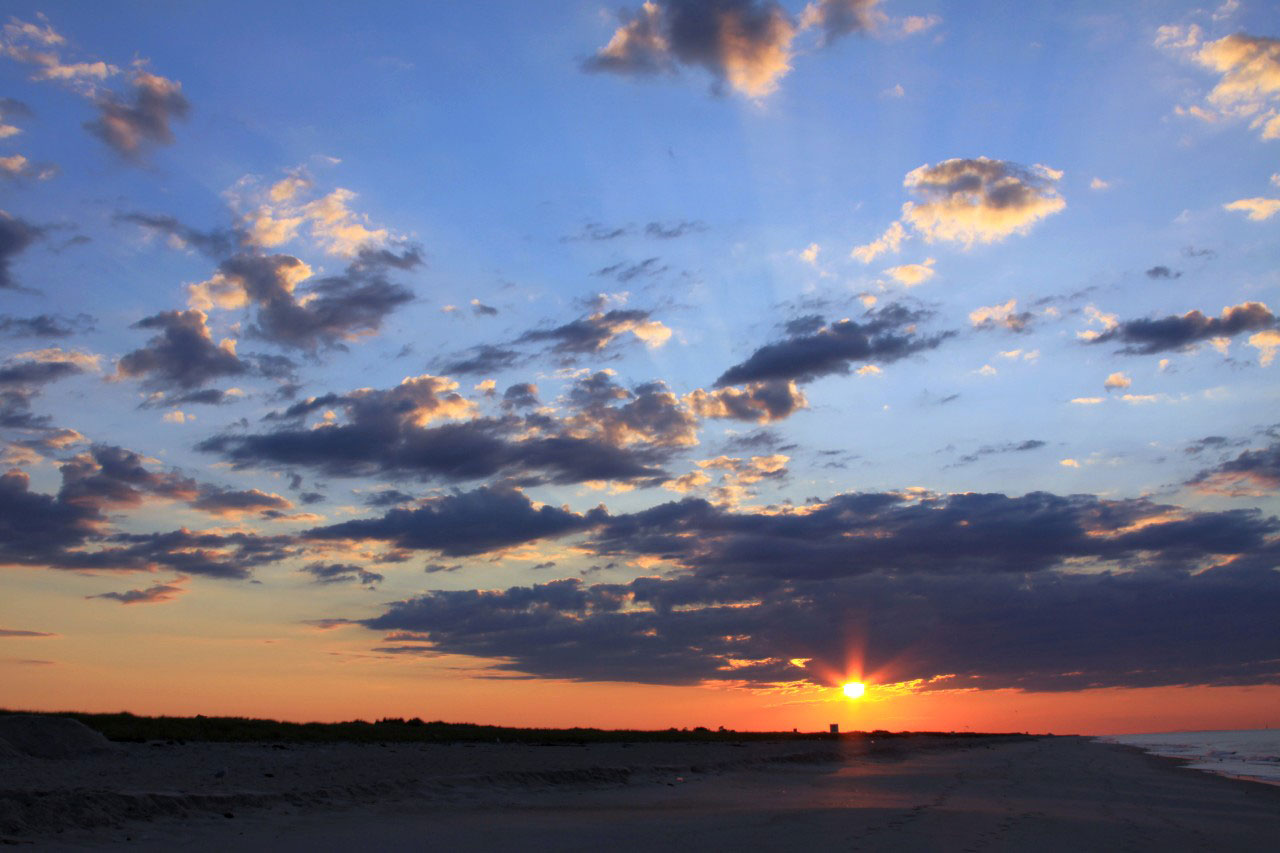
641	366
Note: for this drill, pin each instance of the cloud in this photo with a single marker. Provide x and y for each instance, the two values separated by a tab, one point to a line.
481	310
625	272
129	127
272	217
1117	380
979	200
151	595
744	43
342	573
650	414
1179	332
1254	473
995	449
591	334
884	335
183	354
481	360
889	241
1099	184
912	274
16	235
912	583
1267	343
45	325
13	632
231	503
757	402
329	311
1007	316
1249	85
464	524
1163	272
394	432
839	18
672	230
216	243
1259	209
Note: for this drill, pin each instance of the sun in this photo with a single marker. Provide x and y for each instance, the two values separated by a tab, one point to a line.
854	689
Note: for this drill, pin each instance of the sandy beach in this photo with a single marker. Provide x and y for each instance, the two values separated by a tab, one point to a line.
912	793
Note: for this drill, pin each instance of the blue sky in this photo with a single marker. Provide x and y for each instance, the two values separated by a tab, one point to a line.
838	314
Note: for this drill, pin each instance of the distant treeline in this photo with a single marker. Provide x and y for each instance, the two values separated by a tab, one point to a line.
133	728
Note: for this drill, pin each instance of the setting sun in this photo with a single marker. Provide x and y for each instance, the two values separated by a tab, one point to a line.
854	689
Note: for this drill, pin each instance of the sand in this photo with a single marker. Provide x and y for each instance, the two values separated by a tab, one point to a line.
919	793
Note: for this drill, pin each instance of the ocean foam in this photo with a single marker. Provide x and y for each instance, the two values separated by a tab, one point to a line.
1250	753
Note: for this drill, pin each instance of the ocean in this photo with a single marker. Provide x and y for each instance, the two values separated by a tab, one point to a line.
1250	754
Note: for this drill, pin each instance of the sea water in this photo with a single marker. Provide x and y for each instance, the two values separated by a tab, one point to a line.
1251	754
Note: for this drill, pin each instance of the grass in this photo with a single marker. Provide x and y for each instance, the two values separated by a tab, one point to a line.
128	727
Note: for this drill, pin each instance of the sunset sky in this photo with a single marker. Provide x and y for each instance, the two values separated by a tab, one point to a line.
663	365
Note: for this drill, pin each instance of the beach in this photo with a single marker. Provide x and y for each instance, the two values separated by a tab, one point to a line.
918	792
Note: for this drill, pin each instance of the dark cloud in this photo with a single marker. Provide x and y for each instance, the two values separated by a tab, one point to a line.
1039	592
150	595
523	395
672	230
388	497
839	18
68	531
329	311
856	534
757	402
592	333
15	236
14	107
1253	473
392	432
1211	442
625	272
309	498
1163	272
1039	632
232	502
465	523
481	310
435	568
217	243
994	449
596	233
756	440
45	325
745	43
342	573
24	375
807	325
884	335
129	127
1193	252
183	354
649	413
1143	337
12	632
203	397
107	476
480	360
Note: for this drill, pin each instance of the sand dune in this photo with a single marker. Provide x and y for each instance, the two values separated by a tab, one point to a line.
918	793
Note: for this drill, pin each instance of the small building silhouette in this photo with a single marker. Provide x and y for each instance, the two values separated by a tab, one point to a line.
835	728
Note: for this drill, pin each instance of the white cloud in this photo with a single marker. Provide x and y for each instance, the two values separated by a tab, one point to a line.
910	275
1258	209
889	241
1117	380
979	200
